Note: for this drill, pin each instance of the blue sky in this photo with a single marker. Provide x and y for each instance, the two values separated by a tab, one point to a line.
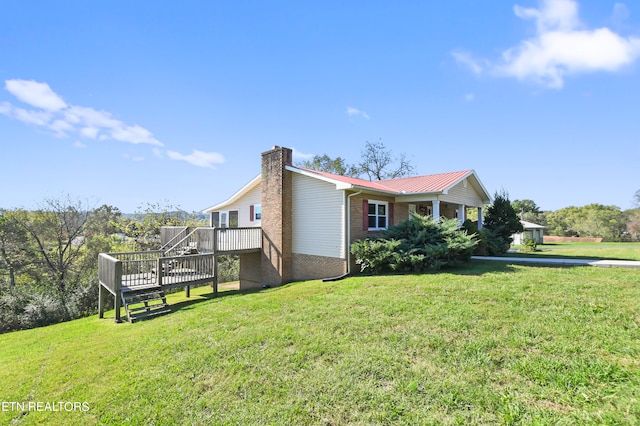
134	102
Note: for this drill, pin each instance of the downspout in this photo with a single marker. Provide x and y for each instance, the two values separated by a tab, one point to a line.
348	239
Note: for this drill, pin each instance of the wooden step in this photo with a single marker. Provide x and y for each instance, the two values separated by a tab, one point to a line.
141	297
152	299
148	308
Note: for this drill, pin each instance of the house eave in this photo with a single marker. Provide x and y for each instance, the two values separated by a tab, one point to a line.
248	187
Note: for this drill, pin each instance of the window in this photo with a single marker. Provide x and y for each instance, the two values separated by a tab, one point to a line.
225	219
256	212
378	215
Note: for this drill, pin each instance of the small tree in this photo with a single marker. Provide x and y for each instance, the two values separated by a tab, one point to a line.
502	219
57	232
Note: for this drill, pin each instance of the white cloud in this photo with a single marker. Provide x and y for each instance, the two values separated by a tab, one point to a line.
134	134
301	156
89	132
37	118
354	112
35	94
463	57
198	158
562	46
49	111
620	14
134	158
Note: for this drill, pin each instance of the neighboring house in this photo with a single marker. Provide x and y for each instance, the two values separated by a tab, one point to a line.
531	230
309	218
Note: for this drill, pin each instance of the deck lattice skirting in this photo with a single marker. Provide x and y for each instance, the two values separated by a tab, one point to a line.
185	262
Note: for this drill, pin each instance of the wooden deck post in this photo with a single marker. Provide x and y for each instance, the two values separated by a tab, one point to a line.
159	272
100	301
117	304
215	275
188	291
117	298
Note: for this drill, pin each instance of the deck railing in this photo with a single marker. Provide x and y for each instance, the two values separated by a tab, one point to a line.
178	270
170	235
180	266
110	273
228	240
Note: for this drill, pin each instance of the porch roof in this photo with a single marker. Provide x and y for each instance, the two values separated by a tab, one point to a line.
427	184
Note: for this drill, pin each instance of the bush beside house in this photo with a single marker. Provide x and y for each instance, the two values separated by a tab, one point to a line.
419	244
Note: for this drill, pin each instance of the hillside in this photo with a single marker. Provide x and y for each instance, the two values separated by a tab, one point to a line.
485	344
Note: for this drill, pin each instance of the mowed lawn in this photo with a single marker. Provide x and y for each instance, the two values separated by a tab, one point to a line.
484	344
614	251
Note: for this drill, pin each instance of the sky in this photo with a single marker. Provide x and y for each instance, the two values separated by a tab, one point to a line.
136	103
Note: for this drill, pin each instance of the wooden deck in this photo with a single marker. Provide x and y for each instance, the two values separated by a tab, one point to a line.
174	278
189	259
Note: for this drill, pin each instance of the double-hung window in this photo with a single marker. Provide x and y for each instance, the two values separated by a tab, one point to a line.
378	215
225	219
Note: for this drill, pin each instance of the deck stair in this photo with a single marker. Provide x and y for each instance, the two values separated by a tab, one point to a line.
144	302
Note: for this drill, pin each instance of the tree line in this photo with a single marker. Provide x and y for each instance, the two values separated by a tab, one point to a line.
48	256
593	220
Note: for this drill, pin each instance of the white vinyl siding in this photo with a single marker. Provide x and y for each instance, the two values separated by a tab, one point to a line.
318	218
243	206
460	194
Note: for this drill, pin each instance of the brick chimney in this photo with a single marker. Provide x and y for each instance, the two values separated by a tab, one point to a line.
276	216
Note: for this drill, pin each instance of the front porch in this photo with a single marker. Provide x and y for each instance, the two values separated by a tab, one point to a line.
446	209
188	257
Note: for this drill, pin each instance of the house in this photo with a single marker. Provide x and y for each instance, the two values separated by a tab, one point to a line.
309	218
531	230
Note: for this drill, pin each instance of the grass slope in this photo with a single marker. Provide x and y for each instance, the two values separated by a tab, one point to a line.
486	344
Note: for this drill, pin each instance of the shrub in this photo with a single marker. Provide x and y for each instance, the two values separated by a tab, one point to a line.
416	245
528	245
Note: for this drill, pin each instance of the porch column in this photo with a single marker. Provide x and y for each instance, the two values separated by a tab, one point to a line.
436	210
461	211
479	218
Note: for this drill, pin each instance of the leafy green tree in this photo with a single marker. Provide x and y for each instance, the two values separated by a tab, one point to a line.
502	220
529	211
337	166
632	218
57	231
592	220
15	255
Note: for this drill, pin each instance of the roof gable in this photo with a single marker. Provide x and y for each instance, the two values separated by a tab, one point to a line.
434	183
438	183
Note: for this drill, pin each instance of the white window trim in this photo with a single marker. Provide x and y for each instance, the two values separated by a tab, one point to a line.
257	210
227	216
386	216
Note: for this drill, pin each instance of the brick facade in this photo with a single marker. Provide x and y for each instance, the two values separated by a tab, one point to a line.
250	271
308	267
276	225
358	231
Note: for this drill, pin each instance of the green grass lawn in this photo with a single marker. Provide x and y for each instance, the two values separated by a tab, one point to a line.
613	251
485	344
